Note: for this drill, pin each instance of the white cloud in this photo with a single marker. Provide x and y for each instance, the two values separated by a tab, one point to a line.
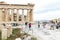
47	15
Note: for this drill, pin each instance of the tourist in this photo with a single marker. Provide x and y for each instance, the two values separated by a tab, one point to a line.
26	26
57	26
4	24
51	28
29	25
43	25
26	23
38	24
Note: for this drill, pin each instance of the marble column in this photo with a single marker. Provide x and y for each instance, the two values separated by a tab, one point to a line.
31	15
28	11
4	34
0	15
17	15
23	15
12	11
6	11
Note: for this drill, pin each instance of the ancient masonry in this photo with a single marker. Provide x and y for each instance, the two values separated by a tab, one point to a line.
7	12
9	18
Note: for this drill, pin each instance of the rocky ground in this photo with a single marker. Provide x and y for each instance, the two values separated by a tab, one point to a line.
35	33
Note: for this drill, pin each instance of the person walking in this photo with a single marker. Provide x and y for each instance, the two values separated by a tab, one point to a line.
26	27
57	27
29	25
38	24
26	23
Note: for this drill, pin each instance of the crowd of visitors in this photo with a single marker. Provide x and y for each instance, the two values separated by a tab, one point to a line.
45	25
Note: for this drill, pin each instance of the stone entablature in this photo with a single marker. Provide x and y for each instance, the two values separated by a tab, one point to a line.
5	8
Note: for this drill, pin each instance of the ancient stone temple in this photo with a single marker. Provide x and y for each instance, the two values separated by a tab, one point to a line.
8	15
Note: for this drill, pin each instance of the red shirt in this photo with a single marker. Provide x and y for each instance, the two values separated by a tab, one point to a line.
30	24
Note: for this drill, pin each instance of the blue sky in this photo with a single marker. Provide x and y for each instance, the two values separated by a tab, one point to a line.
43	9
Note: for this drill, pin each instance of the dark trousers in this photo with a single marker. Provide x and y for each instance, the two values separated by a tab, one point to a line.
57	27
